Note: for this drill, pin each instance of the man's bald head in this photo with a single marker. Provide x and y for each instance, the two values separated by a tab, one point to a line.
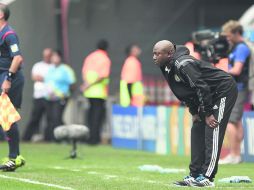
47	53
162	52
5	11
166	46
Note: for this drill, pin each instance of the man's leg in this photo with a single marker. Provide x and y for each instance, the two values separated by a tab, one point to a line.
35	118
214	136
239	137
90	114
57	118
97	117
15	160
197	148
235	130
197	153
235	134
13	141
58	110
15	95
100	115
50	120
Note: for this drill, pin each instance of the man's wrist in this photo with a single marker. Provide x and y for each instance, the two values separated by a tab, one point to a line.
209	113
9	76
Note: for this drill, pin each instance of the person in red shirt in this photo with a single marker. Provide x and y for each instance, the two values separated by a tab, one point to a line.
190	46
95	73
131	88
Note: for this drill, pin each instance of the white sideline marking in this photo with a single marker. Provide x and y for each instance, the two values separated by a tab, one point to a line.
68	169
110	176
35	182
93	172
58	167
75	170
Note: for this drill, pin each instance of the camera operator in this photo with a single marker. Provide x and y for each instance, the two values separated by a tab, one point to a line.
211	46
239	68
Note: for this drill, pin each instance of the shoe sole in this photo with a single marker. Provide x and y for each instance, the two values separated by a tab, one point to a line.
4	169
199	185
179	185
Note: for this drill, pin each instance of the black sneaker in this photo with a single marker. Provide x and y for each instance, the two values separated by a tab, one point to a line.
185	182
10	165
202	181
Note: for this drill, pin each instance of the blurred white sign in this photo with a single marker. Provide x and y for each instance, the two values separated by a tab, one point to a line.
7	2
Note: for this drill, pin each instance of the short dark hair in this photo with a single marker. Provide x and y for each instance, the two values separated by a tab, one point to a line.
128	49
5	9
102	44
58	52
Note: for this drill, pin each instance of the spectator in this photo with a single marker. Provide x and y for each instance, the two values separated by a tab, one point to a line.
60	79
39	70
131	87
95	72
190	46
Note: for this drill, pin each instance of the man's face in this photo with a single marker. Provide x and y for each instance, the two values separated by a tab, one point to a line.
136	51
55	58
47	53
160	57
231	37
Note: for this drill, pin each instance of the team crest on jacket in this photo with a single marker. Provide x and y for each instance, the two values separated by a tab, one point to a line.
167	69
177	78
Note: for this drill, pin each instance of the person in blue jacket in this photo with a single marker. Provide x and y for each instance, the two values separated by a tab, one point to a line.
60	82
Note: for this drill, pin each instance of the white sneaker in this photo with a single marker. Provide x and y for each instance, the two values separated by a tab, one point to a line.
236	160
185	182
202	181
229	159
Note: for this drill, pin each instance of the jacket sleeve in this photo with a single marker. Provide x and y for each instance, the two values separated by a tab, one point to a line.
193	109
192	75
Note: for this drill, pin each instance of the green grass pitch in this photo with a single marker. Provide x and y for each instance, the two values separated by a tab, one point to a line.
103	167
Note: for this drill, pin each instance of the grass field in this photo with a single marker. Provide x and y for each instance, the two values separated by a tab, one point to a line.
102	167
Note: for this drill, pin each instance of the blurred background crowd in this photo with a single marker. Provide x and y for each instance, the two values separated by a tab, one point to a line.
60	38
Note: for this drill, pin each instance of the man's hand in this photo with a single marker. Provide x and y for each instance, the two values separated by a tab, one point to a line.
195	118
83	87
211	121
37	78
6	86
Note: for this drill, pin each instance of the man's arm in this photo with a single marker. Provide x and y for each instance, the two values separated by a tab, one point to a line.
14	50
193	109
86	86
16	62
192	75
37	78
241	53
92	78
35	73
236	69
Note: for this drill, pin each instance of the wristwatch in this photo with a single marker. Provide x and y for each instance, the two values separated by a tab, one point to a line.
9	76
